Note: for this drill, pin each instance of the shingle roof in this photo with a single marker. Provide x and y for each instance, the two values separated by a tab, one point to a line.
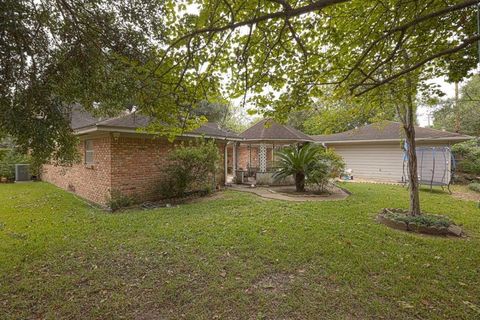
80	118
214	130
268	129
83	119
387	130
130	120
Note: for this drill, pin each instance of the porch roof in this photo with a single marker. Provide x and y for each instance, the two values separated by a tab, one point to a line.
269	130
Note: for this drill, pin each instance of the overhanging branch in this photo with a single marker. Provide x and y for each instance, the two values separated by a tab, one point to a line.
420	63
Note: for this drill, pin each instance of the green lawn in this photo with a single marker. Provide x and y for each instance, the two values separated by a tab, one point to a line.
233	257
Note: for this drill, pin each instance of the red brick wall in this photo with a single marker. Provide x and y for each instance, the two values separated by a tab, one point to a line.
138	164
131	164
244	157
90	182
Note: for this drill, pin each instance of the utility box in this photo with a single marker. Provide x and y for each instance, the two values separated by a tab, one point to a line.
22	172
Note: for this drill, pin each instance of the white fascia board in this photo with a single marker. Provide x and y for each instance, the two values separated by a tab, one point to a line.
394	140
130	130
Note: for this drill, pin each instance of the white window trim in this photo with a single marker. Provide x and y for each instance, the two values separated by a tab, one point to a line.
91	151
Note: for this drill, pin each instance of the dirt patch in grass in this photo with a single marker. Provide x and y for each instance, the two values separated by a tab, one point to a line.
469	196
275	283
213	196
174	202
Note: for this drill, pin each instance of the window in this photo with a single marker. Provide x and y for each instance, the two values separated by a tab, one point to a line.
88	151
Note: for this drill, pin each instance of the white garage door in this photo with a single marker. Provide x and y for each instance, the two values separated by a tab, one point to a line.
376	162
384	162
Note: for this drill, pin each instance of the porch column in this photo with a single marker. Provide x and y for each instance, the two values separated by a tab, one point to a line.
225	163
262	157
250	158
234	158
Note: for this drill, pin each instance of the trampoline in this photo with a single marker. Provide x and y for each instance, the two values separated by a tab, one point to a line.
435	166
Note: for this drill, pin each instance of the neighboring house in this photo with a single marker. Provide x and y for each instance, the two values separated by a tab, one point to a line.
375	152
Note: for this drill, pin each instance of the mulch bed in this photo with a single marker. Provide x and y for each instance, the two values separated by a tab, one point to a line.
385	217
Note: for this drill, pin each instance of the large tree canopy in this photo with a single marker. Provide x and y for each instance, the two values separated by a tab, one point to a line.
462	115
95	52
163	57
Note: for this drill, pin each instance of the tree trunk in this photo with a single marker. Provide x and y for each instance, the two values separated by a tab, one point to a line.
409	128
299	182
456	109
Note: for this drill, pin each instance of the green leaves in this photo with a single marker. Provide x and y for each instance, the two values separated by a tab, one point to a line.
192	167
163	57
310	162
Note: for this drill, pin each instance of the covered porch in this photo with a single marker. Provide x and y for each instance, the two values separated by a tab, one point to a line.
253	160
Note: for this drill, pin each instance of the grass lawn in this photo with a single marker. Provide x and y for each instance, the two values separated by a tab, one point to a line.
237	256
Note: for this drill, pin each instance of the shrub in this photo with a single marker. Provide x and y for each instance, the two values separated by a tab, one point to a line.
118	200
309	164
297	161
8	161
191	168
329	165
475	186
469	151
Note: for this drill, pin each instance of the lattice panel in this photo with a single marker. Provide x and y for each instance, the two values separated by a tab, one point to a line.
263	157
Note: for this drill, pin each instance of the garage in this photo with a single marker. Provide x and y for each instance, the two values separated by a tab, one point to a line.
375	152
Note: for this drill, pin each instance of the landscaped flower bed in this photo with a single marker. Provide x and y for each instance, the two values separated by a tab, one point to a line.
425	223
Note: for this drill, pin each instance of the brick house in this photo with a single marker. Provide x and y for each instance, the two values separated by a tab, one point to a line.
116	156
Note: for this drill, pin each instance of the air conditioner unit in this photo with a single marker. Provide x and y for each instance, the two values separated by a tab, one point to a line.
22	172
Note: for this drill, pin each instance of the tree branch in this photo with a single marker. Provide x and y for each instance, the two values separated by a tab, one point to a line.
417	65
406	26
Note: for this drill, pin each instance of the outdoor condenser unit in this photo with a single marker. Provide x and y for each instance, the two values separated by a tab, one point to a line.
22	172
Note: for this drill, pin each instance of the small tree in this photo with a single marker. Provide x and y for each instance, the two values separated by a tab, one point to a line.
192	167
296	161
308	164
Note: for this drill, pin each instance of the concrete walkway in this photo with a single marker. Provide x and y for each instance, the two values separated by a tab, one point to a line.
273	193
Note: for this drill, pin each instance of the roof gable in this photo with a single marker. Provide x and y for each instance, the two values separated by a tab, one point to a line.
268	129
80	118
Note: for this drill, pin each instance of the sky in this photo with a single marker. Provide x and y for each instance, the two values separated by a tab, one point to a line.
424	114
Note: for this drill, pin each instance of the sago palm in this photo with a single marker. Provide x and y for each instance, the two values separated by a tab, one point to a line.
297	162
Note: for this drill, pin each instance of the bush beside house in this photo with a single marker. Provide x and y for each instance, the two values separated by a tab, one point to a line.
192	168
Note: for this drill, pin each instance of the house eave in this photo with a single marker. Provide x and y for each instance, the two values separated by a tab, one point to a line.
456	139
100	128
277	140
